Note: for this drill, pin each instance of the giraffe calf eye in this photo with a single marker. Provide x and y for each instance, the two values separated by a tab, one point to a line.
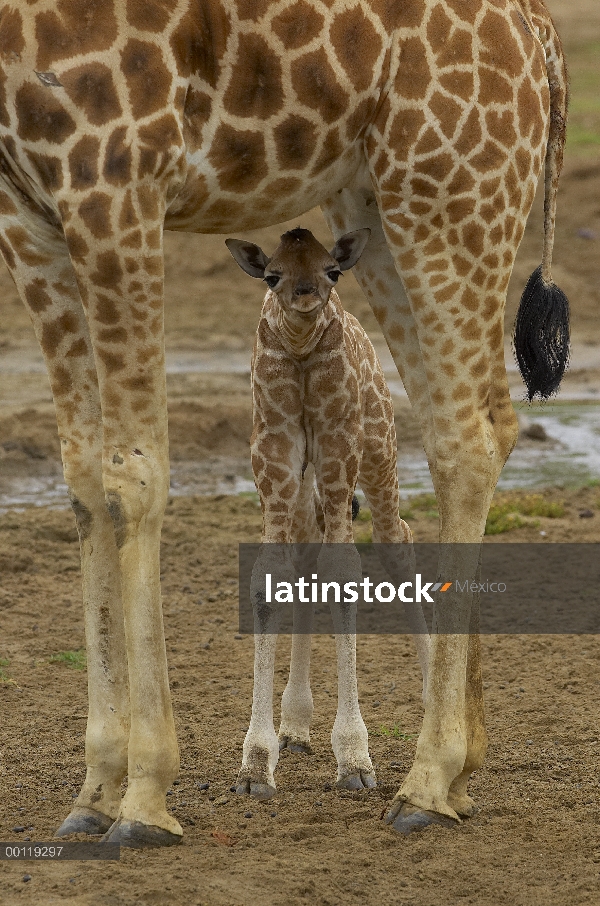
334	276
272	280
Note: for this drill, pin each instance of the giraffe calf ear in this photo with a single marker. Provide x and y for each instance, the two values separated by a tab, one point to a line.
250	257
349	248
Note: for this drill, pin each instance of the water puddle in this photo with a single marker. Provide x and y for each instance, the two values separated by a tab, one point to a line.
570	456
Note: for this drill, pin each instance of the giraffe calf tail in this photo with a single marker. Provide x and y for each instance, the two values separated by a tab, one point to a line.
541	336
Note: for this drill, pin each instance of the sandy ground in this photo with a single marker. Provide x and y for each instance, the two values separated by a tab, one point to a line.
537	837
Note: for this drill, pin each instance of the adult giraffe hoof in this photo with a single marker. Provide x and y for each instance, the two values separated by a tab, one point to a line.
361	780
136	835
84	821
258	790
406	818
294	745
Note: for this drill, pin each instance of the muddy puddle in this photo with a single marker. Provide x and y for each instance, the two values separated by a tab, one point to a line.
565	453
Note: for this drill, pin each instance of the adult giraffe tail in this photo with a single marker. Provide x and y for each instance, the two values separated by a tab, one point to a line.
541	337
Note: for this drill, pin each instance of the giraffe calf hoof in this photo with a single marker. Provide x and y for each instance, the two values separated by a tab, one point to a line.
257	790
295	746
362	780
84	821
408	818
136	835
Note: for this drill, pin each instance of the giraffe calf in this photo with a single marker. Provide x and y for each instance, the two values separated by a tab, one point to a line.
321	409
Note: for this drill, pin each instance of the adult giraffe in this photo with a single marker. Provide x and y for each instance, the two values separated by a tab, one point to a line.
428	122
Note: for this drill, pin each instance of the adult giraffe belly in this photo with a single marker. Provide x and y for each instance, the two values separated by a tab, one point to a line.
240	187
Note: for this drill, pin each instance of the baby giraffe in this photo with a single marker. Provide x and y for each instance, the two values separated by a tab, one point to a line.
321	409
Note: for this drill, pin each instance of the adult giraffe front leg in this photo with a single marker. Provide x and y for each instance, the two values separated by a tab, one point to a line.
37	257
120	275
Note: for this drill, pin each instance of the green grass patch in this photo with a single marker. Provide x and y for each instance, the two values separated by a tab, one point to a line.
364	515
506	516
77	660
503	519
391	733
4	676
250	495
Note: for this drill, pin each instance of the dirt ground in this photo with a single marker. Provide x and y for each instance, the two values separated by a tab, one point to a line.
536	838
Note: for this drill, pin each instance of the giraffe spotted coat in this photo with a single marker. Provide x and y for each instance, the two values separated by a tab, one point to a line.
426	121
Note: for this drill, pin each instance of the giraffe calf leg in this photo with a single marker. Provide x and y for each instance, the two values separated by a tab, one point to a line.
340	563
261	745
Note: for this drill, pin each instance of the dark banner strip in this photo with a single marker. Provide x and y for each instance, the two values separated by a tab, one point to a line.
521	588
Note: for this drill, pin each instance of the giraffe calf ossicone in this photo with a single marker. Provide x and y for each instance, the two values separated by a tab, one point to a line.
321	410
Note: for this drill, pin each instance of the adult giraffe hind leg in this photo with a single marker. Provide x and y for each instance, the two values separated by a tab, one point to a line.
35	252
376	273
453	231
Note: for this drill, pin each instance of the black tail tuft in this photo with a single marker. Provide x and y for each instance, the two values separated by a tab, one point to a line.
355	507
541	338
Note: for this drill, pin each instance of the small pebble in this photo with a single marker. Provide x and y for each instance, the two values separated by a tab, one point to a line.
232	789
18	829
273	814
238	636
376	704
247	814
203	786
318	803
176	782
26	878
587	233
586	514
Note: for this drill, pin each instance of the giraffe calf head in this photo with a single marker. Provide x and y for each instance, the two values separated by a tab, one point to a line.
301	272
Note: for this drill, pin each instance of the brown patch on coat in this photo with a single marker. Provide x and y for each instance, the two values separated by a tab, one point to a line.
295	141
150	15
148	79
413	77
83	163
108	271
65	32
255	88
298	24
92	89
49	170
357	46
40	115
12	42
316	85
200	40
117	159
95	213
238	158
36	296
